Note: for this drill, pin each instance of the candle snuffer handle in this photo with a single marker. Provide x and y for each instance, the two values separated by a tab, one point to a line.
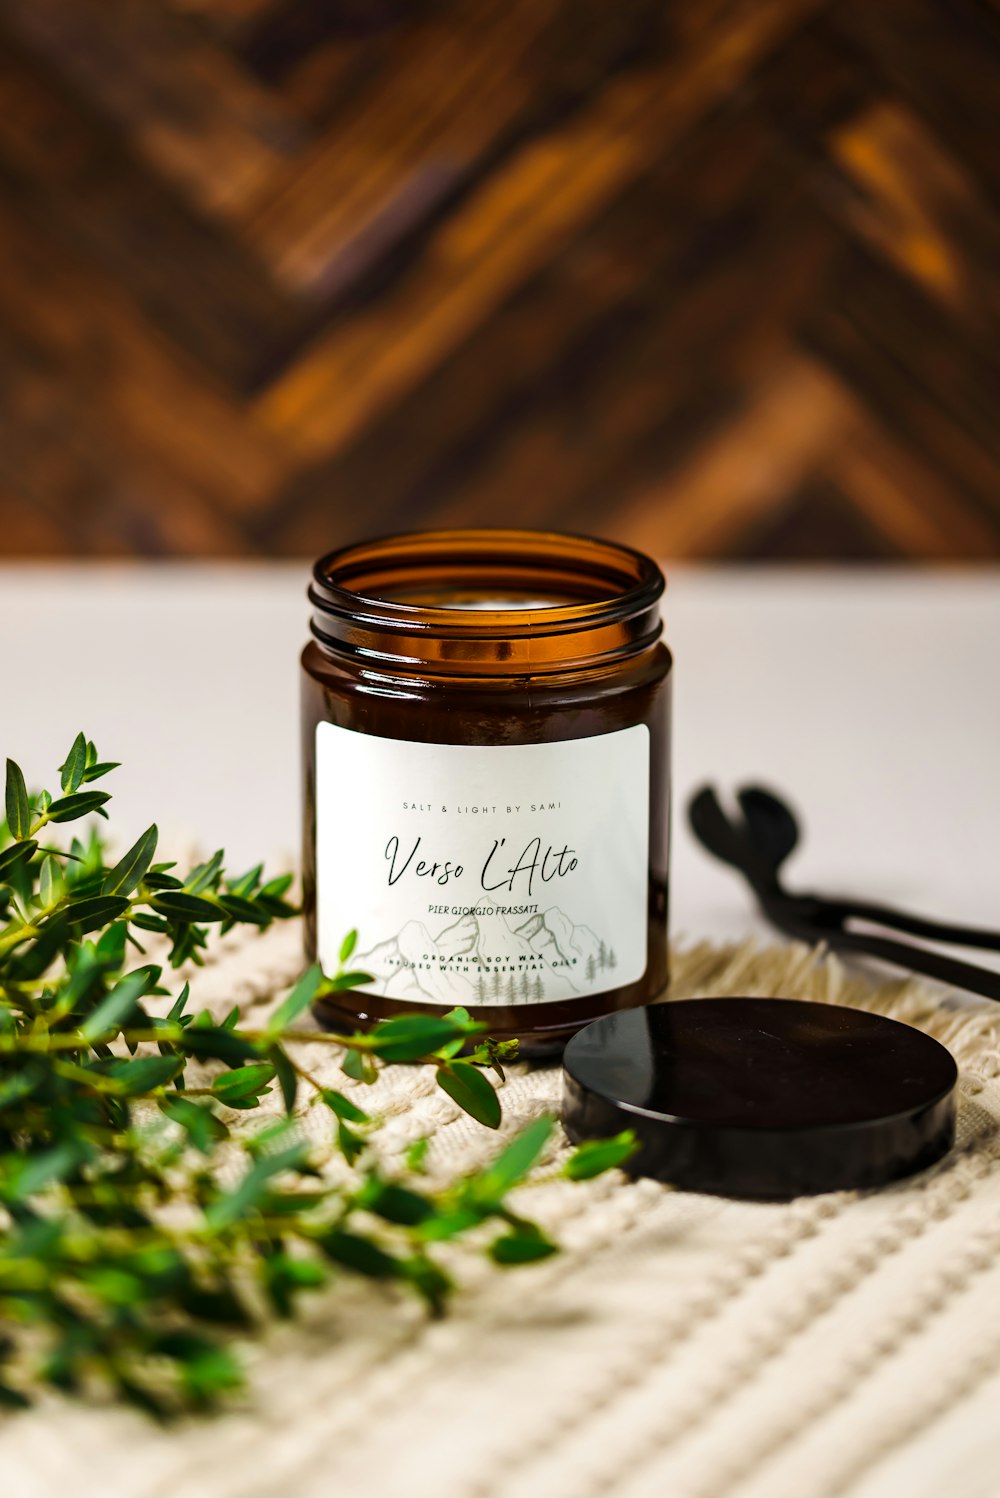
759	840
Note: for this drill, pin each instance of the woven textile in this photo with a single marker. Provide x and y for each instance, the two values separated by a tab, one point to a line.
680	1347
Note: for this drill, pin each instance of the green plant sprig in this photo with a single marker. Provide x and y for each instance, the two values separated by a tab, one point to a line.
132	1253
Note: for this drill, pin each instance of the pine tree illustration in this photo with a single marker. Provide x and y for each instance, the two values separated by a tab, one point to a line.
481	989
511	993
524	988
612	959
496	983
538	992
602	956
591	968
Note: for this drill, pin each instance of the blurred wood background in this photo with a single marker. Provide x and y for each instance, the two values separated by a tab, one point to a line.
718	278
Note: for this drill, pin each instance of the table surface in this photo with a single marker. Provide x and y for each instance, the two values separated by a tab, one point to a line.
871	698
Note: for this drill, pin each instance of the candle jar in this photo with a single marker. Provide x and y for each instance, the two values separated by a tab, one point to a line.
486	741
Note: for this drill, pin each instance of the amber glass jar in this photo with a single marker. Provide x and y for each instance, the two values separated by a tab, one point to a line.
486	741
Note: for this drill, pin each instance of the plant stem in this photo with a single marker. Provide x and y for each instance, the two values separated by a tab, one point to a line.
72	1040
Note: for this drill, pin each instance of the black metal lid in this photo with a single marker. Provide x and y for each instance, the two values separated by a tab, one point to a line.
764	1098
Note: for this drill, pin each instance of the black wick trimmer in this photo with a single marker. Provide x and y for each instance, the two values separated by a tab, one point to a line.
757	844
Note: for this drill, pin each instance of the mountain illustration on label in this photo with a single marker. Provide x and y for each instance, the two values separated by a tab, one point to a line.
542	959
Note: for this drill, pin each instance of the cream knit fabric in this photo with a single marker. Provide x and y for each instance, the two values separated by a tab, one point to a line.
680	1347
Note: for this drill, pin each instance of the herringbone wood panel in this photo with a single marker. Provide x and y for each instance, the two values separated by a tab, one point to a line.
720	279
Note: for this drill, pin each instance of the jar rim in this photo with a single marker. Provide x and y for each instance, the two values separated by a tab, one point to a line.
612	593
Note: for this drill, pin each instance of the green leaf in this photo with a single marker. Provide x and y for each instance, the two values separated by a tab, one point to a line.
343	1107
204	875
140	1396
178	1006
95	771
346	980
115	1008
128	872
429	1280
180	906
243	1082
243	911
445	1225
598	1155
455	1047
94	910
220	1305
513	1164
50	880
359	1067
394	1203
33	1173
72	769
251	1189
347	947
285	1276
521	1247
416	1154
215	1043
411	1037
206	1370
351	1145
145	922
288	1077
472	1091
202	1126
69	808
363	1255
16	799
20	1085
17	853
278	910
299	999
461	1016
113	1286
245	885
111	944
142	1073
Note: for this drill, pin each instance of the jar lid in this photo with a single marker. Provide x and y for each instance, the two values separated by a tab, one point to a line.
762	1098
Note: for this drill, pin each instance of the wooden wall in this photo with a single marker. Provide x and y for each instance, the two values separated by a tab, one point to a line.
720	277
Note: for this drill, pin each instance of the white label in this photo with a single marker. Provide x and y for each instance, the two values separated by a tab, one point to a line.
482	875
